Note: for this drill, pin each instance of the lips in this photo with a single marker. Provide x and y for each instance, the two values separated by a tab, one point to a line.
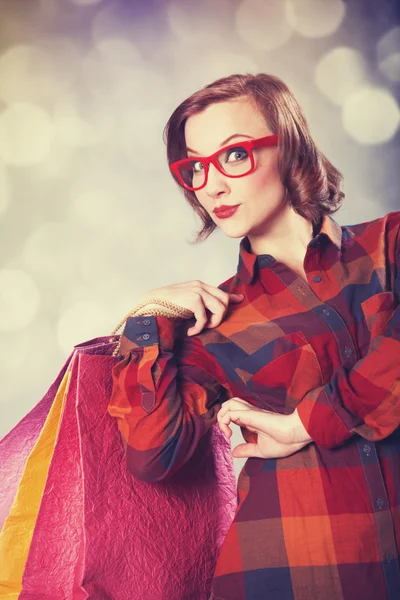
223	212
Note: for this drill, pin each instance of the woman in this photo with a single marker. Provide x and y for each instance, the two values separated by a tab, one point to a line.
301	348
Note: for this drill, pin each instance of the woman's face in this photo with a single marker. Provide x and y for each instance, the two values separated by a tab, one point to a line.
260	195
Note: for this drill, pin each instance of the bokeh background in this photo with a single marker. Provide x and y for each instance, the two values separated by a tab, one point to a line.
89	216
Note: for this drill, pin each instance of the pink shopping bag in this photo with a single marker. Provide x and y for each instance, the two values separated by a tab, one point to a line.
85	527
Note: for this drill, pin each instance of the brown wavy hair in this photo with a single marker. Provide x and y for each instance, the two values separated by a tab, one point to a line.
312	182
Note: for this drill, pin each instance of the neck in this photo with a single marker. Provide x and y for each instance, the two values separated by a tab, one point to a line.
286	237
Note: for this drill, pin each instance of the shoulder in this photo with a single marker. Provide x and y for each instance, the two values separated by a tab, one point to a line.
391	220
387	227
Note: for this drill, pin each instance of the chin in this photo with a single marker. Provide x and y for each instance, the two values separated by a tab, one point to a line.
234	231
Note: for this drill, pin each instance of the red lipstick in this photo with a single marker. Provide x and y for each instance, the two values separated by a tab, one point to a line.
223	212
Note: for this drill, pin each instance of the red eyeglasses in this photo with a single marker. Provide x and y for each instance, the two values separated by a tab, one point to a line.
235	160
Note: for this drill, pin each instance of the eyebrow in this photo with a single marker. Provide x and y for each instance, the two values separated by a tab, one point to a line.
225	141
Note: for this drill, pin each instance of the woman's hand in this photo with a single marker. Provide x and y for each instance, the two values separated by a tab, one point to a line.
197	297
276	435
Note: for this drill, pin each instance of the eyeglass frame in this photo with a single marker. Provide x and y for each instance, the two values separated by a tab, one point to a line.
248	145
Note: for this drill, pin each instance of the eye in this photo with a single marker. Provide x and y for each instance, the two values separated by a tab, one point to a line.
197	166
236	154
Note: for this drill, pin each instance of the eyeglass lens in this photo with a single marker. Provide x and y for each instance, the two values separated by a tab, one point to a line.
235	161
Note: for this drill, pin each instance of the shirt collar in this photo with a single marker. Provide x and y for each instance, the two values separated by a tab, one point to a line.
247	261
332	230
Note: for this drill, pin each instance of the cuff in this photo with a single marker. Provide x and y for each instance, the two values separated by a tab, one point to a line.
321	421
143	331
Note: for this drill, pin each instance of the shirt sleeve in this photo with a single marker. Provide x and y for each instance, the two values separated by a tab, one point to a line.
167	390
366	399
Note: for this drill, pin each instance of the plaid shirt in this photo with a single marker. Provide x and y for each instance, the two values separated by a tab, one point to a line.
324	523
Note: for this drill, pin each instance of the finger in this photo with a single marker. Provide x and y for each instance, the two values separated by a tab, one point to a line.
200	316
234	404
218	293
235	401
272	424
246	451
224	297
225	429
277	426
202	289
200	286
236	297
246	418
225	421
217	308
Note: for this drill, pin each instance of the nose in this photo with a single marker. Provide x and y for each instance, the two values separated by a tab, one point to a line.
217	184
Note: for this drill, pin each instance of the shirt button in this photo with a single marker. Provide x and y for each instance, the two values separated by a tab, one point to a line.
389	557
326	312
147	322
348	352
379	503
146	336
317	279
367	449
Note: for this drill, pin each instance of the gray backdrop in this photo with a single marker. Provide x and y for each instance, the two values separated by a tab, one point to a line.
89	216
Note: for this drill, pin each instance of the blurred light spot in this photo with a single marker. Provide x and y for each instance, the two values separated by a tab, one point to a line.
112	22
315	18
118	200
105	256
19	348
142	87
16	356
82	321
19	299
32	74
77	129
66	56
107	22
107	62
116	51
17	65
371	116
5	190
388	51
131	229
53	249
263	25
340	73
57	164
26	134
198	22
94	208
116	72
208	69
13	353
